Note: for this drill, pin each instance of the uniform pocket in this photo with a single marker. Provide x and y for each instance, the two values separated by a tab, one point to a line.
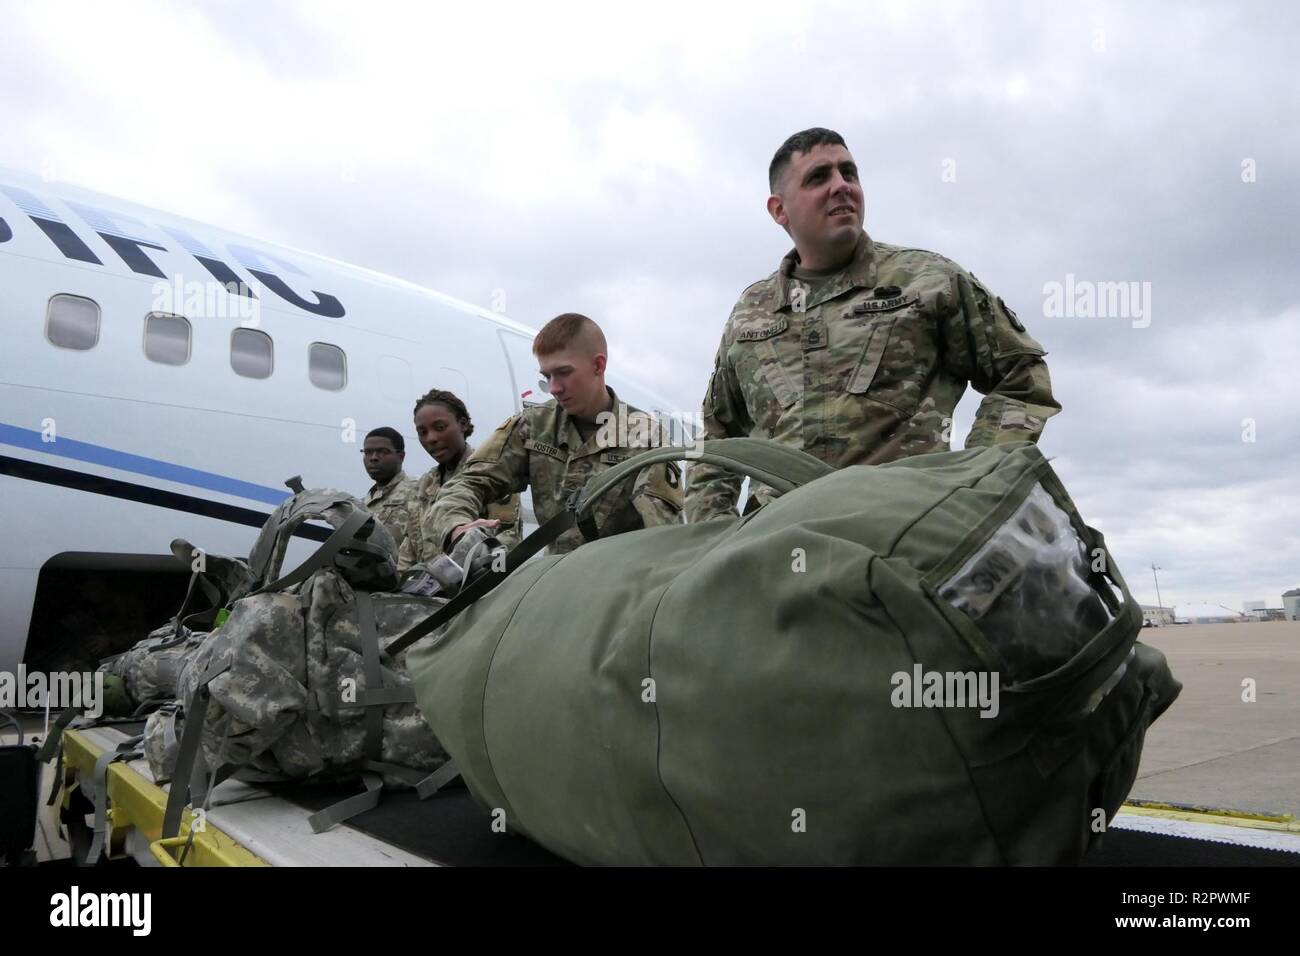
868	364
774	374
762	378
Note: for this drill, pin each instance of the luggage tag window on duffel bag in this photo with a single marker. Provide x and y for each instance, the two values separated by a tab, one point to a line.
1030	589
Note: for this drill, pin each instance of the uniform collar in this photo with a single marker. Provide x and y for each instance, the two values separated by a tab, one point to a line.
860	273
444	473
378	491
569	433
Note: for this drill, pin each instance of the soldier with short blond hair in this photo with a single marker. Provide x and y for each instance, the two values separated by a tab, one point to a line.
556	447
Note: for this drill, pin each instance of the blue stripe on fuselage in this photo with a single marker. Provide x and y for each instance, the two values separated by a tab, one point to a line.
124	461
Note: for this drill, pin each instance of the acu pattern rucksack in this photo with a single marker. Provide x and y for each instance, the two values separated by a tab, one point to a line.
295	684
147	673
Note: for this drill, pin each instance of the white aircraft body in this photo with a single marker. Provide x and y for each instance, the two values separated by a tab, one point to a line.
161	379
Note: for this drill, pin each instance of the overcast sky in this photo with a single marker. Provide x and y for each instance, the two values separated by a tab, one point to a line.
584	157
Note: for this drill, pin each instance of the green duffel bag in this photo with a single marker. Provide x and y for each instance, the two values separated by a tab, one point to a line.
931	661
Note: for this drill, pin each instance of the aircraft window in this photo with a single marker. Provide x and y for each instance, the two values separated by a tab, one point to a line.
251	353
167	338
327	366
72	322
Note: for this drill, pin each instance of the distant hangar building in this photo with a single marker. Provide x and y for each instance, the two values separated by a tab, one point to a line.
1291	604
1157	616
1207	614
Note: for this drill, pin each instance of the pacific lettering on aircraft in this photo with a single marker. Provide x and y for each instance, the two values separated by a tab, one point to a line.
124	235
327	305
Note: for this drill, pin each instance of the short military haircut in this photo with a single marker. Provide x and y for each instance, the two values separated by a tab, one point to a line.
392	434
570	330
438	396
800	142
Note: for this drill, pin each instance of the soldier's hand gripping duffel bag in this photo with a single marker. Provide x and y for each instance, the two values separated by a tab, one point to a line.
932	661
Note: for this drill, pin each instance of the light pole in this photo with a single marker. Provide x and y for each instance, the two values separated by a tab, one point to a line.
1159	603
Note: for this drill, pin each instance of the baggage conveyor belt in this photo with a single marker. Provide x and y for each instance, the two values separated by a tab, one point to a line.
266	825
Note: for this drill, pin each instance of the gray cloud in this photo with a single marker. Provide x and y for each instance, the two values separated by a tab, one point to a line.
581	162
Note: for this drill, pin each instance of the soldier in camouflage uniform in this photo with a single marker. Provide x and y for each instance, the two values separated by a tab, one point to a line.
556	447
442	424
392	497
855	351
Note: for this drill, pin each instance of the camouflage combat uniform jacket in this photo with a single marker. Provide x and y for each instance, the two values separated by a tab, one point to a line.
415	549
393	503
869	367
542	449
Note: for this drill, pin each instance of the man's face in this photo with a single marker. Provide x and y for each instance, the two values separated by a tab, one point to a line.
383	461
440	432
575	380
819	200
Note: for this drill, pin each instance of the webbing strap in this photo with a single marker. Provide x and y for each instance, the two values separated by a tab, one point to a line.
437	780
780	467
203	781
187	752
343	535
210	591
57	778
587	526
374	674
176	637
99	795
337	813
54	740
406	774
532	544
149	706
426	784
384	696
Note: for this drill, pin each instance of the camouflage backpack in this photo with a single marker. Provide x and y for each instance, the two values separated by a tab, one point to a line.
146	674
295	683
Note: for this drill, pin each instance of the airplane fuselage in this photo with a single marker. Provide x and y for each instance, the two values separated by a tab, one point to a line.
161	379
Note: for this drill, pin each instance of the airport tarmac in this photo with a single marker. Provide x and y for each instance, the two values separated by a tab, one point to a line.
1213	748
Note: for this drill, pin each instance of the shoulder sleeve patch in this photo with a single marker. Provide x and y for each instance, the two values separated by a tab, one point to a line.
491	449
665	483
1011	316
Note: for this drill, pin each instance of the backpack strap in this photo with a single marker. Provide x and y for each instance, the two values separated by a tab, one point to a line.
127	750
344	535
187	754
337	813
425	783
54	738
376	696
56	783
778	466
197	583
547	533
437	780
